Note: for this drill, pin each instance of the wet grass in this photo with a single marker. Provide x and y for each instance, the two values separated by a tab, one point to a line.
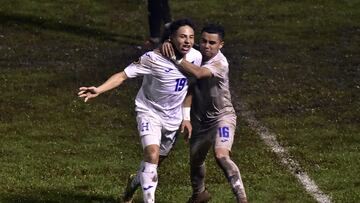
295	63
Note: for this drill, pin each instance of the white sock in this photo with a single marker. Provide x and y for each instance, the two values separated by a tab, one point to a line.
149	181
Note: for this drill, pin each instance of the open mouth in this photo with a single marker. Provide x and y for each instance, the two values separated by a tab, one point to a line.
185	48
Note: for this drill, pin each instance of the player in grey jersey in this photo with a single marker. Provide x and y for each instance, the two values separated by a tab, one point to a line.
213	117
158	103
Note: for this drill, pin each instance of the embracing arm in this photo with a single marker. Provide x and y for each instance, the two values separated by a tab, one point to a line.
114	81
194	70
167	50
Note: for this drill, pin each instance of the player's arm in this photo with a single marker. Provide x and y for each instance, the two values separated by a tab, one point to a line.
167	50
194	69
114	81
186	124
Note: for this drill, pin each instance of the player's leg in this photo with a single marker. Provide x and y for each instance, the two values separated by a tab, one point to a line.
167	142
199	147
149	129
132	185
148	174
155	20
149	177
223	143
166	12
133	182
232	174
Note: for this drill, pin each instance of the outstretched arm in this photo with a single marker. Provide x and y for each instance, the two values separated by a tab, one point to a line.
91	92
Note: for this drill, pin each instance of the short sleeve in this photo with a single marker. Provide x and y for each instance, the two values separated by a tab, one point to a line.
194	57
218	68
140	67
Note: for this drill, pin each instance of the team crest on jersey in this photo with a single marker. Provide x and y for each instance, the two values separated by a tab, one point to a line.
137	61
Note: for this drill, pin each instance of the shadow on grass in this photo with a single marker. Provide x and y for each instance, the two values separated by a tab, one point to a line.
67	197
59	196
50	24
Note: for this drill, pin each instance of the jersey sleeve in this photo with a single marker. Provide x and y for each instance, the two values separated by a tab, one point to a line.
140	67
198	59
194	57
218	68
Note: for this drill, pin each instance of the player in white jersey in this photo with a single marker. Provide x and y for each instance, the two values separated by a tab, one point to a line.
213	117
158	102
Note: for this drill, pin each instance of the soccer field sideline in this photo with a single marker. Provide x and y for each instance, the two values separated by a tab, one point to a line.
270	140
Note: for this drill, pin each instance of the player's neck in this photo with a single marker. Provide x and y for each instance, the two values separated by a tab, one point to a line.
206	59
178	55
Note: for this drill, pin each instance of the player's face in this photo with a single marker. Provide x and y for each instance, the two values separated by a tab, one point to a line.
183	39
210	45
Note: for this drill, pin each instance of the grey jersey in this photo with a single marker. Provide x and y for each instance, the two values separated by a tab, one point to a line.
212	99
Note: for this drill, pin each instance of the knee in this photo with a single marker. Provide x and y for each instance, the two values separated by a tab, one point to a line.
151	154
220	158
221	154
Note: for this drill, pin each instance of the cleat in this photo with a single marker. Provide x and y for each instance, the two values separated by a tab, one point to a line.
202	197
242	200
129	191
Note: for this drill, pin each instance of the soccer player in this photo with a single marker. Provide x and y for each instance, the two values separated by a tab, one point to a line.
158	102
158	14
213	117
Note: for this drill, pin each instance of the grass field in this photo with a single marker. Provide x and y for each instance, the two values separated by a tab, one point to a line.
296	64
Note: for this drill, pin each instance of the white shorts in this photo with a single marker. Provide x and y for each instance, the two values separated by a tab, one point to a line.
152	132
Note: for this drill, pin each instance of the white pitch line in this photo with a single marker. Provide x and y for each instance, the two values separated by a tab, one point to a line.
294	167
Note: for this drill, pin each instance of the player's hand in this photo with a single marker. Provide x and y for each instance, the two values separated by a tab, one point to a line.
88	93
186	125
167	50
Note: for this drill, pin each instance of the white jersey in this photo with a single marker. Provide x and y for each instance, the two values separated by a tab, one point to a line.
163	88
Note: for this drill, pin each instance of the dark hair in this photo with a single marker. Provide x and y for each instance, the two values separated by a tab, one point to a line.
175	25
214	29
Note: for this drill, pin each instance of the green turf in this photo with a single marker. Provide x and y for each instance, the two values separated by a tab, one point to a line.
295	63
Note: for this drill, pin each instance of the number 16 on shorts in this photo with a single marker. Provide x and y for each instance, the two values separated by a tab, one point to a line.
224	133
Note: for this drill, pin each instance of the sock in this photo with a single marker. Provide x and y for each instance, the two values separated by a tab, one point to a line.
149	181
233	175
198	178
